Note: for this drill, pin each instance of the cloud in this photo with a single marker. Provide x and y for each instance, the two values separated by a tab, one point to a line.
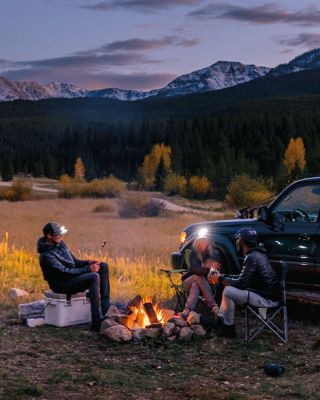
268	13
98	64
309	40
139	81
92	79
148	44
139	5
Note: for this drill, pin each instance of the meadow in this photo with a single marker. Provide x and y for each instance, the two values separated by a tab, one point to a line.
135	248
50	363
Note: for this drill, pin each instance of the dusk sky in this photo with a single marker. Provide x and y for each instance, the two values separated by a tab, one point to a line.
144	44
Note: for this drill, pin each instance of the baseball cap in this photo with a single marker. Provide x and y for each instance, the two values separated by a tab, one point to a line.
247	233
53	228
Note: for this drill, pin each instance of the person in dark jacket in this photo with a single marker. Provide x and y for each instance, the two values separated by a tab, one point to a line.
257	284
66	274
203	257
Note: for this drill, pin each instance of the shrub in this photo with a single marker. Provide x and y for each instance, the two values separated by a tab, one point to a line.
244	190
199	187
106	187
153	208
19	191
70	187
101	208
175	184
139	206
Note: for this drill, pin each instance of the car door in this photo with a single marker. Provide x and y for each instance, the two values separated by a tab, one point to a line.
291	234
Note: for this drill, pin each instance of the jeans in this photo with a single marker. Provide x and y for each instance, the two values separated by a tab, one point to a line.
232	296
198	284
99	290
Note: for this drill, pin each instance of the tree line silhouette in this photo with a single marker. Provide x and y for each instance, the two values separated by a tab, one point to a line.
250	138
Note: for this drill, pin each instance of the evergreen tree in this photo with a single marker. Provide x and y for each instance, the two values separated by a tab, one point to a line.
160	175
7	169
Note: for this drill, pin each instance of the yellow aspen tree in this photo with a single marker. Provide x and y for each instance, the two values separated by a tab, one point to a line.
79	170
294	155
151	162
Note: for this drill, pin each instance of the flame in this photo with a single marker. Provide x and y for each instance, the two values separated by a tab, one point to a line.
141	318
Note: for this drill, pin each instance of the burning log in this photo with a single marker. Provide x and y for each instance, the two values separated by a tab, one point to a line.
149	310
134	303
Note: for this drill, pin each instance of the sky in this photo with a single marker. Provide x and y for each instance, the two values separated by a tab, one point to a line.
144	44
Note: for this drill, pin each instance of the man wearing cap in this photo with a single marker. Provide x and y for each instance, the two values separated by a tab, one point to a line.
257	284
66	274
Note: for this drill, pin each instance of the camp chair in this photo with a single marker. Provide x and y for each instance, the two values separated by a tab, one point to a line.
180	290
265	317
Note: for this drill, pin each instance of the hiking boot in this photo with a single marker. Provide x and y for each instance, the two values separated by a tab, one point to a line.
212	322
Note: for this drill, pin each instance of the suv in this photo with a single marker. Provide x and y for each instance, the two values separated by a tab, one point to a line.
289	227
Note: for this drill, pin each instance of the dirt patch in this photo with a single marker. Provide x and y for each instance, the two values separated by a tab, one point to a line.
68	363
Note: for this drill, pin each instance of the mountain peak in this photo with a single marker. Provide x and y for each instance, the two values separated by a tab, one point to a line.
308	60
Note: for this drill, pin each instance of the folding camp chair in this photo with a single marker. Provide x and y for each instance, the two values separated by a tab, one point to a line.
180	290
266	317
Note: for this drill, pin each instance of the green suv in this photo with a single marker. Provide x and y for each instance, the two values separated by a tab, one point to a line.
289	227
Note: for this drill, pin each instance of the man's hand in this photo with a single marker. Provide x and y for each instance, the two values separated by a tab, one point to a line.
95	267
90	262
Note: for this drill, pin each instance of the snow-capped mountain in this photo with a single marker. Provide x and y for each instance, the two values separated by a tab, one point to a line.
122	94
11	90
218	76
221	75
307	60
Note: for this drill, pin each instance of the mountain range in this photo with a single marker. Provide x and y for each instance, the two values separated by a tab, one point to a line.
218	76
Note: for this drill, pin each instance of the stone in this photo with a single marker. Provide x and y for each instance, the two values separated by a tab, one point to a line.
168	328
172	338
118	333
179	321
138	334
112	310
198	330
193	318
107	323
186	334
176	330
35	309
152	333
15	293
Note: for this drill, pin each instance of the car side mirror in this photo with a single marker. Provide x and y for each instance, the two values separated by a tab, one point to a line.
262	213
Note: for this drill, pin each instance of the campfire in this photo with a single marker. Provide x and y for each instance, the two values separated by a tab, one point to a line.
145	314
143	318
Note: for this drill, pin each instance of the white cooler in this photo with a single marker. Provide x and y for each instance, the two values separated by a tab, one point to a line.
61	312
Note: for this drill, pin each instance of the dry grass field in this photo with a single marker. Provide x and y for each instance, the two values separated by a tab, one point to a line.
136	248
50	363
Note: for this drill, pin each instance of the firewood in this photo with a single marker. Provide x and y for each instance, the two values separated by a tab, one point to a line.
149	310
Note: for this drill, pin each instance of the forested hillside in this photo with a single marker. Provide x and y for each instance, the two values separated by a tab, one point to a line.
219	135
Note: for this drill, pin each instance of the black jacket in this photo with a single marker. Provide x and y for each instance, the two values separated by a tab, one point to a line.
257	274
58	264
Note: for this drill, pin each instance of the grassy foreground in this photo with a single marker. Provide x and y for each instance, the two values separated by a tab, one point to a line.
50	363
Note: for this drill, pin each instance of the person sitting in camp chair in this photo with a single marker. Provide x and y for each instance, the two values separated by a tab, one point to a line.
203	257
